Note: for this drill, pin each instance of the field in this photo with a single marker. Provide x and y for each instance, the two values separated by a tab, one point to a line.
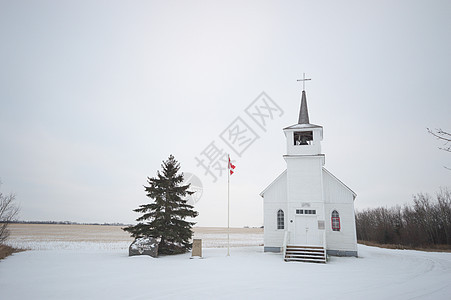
78	237
86	262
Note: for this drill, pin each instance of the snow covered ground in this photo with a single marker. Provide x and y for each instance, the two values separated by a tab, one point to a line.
91	262
108	273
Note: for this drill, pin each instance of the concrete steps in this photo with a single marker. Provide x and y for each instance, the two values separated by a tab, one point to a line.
301	253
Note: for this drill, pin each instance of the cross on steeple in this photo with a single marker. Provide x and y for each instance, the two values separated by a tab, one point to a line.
303	81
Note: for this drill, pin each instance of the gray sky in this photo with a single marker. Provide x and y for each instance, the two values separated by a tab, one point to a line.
95	94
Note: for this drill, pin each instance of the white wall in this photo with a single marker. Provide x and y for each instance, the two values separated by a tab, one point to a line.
305	188
275	198
313	149
304	175
306	182
338	197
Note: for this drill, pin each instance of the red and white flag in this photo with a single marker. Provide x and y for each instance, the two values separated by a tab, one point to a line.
231	167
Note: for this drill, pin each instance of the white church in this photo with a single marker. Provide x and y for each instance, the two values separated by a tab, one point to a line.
308	212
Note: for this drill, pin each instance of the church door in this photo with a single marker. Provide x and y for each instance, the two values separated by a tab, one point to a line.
307	232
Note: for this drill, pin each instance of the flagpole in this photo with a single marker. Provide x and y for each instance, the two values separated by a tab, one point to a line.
228	205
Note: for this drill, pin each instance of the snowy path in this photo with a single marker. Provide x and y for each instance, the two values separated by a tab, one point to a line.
247	274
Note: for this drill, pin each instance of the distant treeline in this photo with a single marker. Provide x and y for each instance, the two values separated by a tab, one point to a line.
426	222
66	223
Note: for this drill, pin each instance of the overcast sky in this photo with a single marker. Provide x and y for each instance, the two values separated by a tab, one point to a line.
96	94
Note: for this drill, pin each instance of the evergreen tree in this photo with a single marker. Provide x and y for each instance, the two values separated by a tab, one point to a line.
164	218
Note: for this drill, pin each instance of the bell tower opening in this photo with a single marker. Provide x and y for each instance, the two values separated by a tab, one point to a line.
303	138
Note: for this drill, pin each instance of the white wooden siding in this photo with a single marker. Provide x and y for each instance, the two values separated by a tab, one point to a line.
275	198
313	149
304	176
332	186
273	237
340	198
309	183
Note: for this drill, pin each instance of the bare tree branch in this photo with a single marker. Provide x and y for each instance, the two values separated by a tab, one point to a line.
8	212
444	136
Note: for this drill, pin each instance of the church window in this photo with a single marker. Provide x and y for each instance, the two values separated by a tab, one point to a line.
280	220
303	138
335	221
306	211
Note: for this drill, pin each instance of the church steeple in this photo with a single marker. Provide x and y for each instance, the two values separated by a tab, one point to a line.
303	112
304	138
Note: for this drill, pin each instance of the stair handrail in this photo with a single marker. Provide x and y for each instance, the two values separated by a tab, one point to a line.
285	242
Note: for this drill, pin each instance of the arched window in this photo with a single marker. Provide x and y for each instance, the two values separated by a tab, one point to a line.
335	221
280	220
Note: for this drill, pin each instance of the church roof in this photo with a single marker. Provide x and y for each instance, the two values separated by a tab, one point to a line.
303	121
341	182
303	126
274	181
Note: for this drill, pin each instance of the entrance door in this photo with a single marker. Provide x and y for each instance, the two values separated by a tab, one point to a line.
306	232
